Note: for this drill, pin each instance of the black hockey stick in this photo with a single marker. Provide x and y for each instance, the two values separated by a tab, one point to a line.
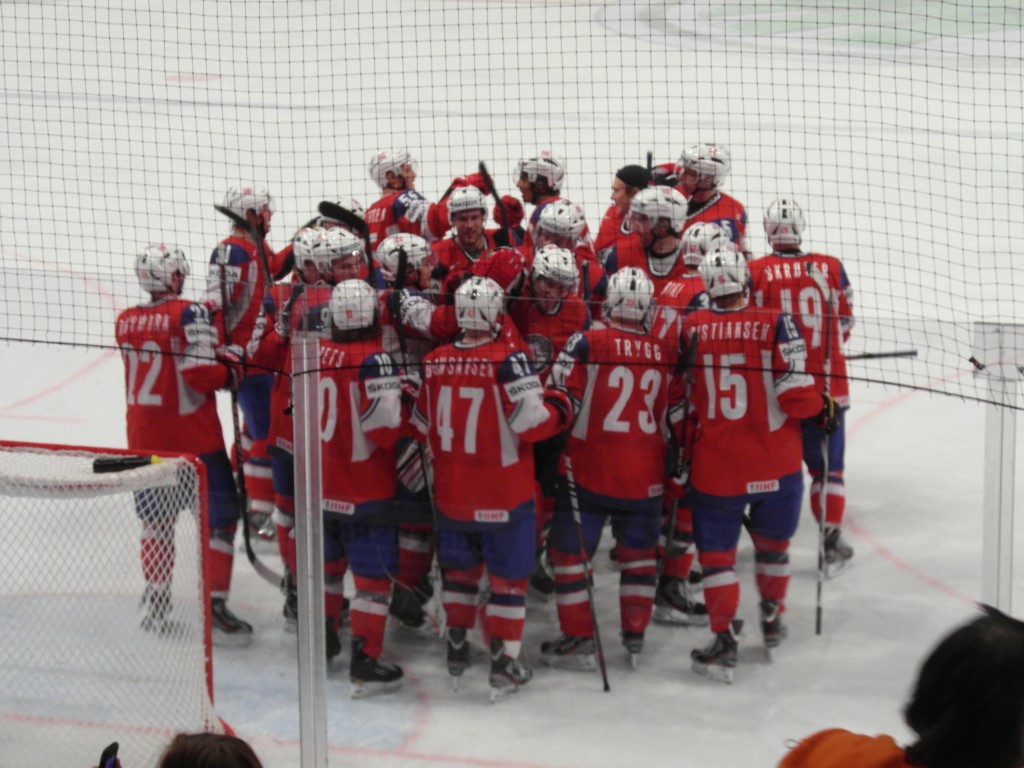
243	496
121	463
402	270
821	281
671	548
588	569
650	161
502	213
881	355
354	223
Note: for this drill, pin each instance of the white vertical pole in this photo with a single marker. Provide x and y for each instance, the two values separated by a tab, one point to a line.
309	549
999	349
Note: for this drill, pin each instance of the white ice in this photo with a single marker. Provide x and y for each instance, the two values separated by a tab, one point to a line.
899	131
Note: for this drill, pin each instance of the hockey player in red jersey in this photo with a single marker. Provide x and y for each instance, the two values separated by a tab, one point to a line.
480	407
618	379
701	169
676	599
319	254
361	419
470	240
401	208
539	180
815	289
750	390
236	285
412	587
629	180
173	367
657	216
563	224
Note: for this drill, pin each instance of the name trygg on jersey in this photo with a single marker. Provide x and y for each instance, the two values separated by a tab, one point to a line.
638	348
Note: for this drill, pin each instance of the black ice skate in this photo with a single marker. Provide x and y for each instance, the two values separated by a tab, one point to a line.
229	631
370	676
507	674
156	606
542	583
674	604
772	628
407	608
568	652
291	604
634	645
332	640
837	551
718	659
458	654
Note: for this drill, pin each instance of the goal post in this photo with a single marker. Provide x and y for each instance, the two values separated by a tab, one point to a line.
77	668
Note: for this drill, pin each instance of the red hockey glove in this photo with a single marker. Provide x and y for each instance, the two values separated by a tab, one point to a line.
513	209
561	403
411	382
233	358
829	418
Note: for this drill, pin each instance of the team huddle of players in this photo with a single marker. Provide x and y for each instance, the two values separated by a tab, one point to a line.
490	398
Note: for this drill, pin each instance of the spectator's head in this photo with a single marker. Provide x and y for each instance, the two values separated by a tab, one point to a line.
967	706
629	180
208	750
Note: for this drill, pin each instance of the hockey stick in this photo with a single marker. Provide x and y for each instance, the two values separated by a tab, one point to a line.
243	496
502	213
588	571
121	463
442	618
356	224
671	549
650	161
880	355
821	281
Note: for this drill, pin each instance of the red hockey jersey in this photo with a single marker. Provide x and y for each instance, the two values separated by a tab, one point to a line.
479	408
750	388
171	377
618	382
726	212
781	283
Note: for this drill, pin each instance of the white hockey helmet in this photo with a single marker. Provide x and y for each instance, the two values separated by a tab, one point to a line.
725	272
304	243
353	305
416	252
479	305
711	163
338	243
562	218
657	203
156	264
389	161
465	199
630	297
545	166
241	200
558	265
784	222
701	238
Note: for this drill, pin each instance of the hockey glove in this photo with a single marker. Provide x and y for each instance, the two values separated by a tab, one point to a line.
678	481
513	210
562	405
233	358
411	382
830	417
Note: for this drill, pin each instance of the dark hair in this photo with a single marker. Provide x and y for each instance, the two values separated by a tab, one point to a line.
208	750
967	707
635	176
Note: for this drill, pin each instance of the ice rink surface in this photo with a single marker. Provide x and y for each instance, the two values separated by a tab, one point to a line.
900	133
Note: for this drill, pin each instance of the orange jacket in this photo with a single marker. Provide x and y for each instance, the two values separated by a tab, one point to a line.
836	748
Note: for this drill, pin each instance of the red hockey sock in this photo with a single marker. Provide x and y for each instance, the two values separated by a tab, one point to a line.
835	498
415	554
506	610
771	567
637	582
571	593
334	588
721	588
459	591
221	558
157	551
369	612
284	523
679	567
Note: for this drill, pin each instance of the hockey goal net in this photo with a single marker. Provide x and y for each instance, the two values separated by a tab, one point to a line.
77	670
